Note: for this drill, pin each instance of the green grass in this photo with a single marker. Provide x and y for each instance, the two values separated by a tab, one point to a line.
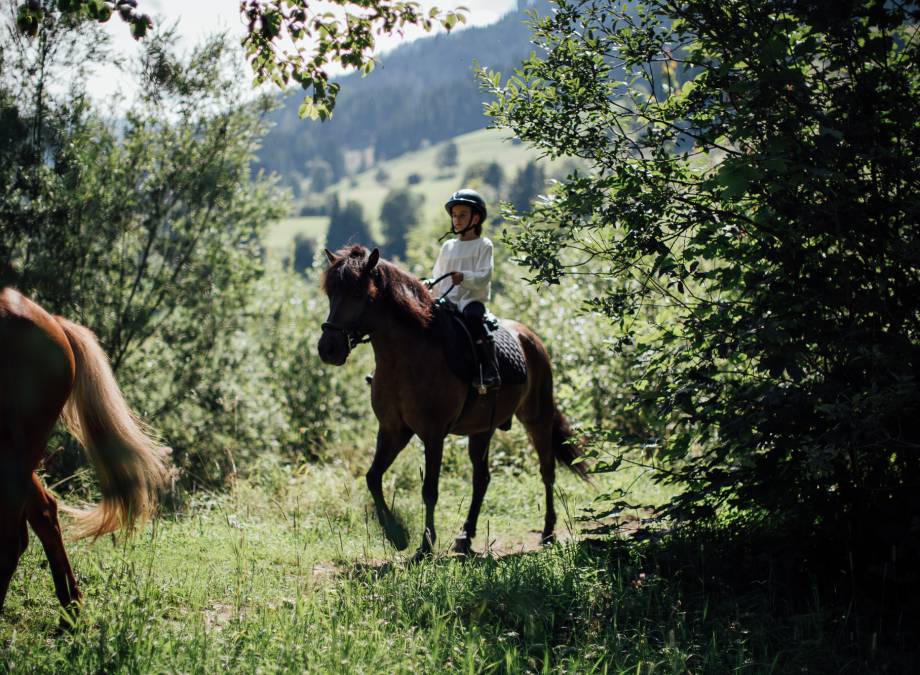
274	574
280	236
286	573
437	183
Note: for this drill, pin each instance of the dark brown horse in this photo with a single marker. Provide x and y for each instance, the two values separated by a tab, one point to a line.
414	392
50	366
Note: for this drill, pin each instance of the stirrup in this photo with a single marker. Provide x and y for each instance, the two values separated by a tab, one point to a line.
482	386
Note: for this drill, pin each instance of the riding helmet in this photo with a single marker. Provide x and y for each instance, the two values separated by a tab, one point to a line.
469	197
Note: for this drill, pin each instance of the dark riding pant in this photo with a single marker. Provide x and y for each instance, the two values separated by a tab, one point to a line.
473	315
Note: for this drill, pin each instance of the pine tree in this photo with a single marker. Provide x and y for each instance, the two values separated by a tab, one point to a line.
399	213
529	182
347	225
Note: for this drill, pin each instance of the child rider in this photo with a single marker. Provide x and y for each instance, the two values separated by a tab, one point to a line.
469	258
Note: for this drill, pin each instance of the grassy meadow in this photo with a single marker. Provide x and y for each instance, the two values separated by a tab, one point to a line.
436	183
280	236
289	573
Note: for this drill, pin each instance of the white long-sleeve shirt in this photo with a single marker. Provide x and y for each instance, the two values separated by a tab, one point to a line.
474	259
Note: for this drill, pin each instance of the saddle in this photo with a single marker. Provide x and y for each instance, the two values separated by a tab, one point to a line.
461	352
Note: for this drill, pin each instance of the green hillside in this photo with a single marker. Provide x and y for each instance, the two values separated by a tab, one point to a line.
436	183
282	233
421	93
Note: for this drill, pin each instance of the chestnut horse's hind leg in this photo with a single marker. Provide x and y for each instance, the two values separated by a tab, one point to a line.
14	537
389	445
14	534
41	511
479	456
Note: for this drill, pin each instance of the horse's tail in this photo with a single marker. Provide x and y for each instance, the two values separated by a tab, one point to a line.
565	448
132	466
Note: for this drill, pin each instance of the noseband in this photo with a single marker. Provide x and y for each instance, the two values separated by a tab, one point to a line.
353	336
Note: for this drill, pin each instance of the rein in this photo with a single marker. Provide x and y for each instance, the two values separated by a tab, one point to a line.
354	336
435	282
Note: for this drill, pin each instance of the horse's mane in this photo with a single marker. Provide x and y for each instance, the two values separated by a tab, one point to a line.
401	292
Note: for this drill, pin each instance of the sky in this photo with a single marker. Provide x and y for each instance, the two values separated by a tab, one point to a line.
199	18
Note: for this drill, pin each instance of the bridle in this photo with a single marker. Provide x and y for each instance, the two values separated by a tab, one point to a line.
354	336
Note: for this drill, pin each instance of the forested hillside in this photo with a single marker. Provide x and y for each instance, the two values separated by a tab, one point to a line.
422	93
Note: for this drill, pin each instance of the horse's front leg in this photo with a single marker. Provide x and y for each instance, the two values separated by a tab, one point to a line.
434	451
389	444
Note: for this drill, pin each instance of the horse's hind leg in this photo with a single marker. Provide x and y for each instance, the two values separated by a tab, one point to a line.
541	435
479	456
14	534
41	511
434	453
14	537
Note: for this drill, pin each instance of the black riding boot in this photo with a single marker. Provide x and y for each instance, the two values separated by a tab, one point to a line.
488	364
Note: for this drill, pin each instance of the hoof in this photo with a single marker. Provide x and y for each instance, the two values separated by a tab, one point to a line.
67	622
548	539
421	554
394	531
463	546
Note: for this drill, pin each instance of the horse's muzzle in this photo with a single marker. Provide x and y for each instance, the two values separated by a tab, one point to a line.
333	348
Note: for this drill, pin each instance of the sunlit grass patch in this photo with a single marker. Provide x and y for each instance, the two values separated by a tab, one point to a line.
289	572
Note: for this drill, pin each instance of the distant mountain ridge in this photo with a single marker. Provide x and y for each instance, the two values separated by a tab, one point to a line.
422	93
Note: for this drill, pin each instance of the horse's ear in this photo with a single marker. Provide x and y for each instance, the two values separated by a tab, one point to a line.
372	260
332	257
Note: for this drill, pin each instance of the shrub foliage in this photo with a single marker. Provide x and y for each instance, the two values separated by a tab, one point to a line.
753	188
147	229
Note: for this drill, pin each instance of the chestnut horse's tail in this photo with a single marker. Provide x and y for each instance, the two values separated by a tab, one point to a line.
131	465
564	448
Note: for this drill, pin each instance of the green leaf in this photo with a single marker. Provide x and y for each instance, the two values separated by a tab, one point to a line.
735	178
308	110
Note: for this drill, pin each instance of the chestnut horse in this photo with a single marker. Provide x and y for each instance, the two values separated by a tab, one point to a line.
50	366
414	393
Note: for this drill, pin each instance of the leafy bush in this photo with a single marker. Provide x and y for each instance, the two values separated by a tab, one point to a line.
304	252
448	156
753	171
148	231
529	182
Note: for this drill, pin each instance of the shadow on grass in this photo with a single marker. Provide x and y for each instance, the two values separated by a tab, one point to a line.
707	601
